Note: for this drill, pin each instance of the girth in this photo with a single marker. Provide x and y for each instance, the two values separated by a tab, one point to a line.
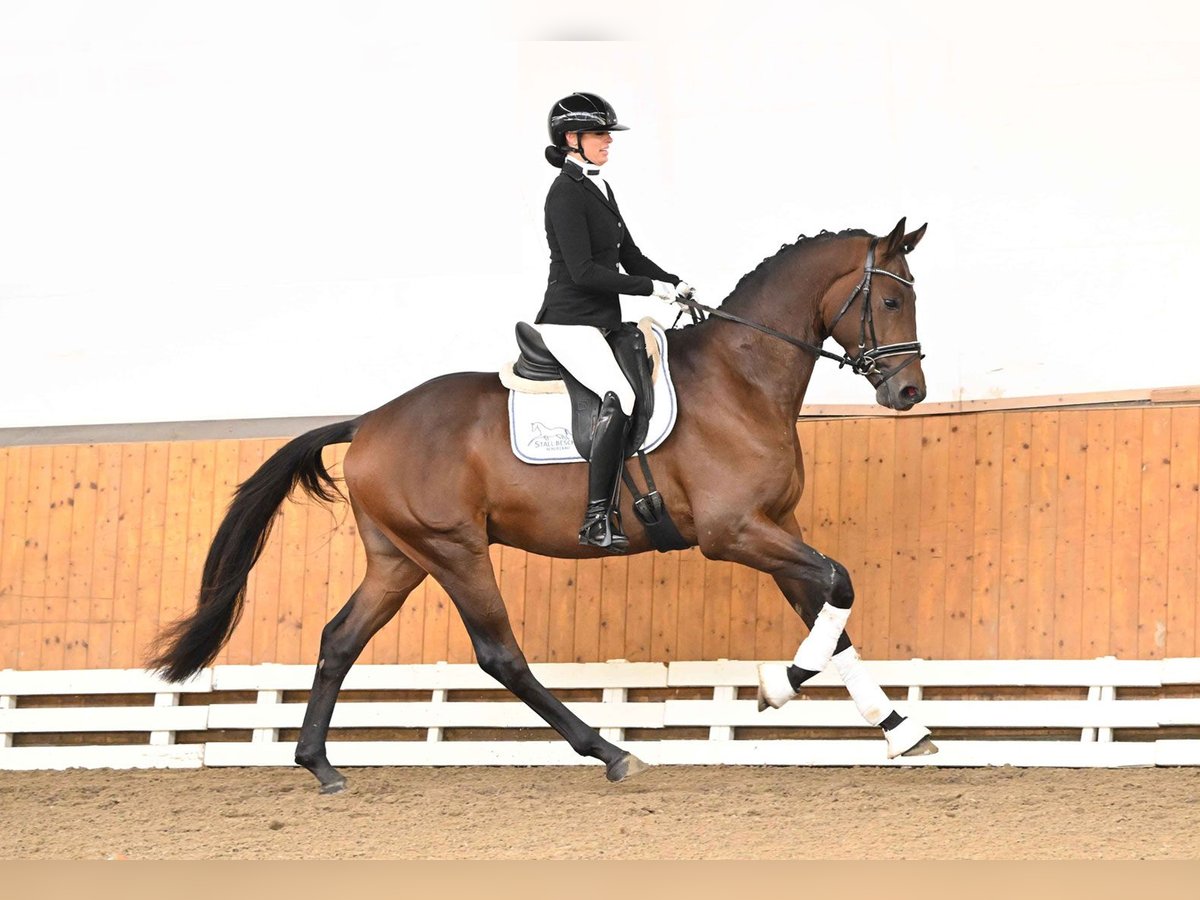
628	344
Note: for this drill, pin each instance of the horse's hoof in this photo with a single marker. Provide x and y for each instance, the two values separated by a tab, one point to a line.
334	787
626	767
906	738
923	747
774	686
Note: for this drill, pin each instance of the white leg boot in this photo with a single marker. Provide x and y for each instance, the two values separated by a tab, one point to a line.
875	707
905	736
774	688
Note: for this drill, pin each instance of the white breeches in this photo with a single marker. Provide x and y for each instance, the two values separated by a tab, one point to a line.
585	353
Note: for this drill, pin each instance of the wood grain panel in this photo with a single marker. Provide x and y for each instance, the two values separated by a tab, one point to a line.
1126	533
1154	538
906	539
960	537
614	603
37	531
320	529
855	553
1098	526
536	635
588	590
1014	536
173	575
988	526
127	570
931	545
639	608
202	486
664	598
874	581
689	629
101	602
81	559
1182	531
146	622
12	531
561	637
511	580
1043	518
1070	535
1068	532
58	554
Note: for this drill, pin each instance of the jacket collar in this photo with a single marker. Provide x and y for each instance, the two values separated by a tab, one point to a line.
572	170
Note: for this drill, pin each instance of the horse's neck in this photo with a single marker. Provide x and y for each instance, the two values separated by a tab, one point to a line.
789	295
775	373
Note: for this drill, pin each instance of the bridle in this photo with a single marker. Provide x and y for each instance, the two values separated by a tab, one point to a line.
866	362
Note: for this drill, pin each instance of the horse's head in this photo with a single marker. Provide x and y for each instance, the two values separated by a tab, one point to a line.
876	322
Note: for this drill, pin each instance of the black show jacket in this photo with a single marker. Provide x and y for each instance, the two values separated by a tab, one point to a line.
588	237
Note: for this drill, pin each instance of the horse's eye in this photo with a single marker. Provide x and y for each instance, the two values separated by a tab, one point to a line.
891	302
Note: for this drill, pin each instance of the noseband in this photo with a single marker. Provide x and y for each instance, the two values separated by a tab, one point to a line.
866	362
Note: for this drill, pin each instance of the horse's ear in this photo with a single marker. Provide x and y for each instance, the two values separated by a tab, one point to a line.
912	239
893	242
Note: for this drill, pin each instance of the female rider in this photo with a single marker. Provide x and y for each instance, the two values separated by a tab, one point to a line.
588	237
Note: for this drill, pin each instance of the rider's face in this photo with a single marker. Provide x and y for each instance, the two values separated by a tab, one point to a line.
595	145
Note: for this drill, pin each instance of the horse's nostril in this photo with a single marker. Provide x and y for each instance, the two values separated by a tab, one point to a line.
909	393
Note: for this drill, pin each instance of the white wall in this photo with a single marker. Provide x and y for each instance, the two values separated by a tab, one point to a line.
230	210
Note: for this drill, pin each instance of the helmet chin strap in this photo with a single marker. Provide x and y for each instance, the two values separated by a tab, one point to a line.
579	149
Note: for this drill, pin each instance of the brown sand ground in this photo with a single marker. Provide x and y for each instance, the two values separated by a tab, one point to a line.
573	813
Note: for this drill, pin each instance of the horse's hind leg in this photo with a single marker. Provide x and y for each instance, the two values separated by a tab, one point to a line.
390	578
467	575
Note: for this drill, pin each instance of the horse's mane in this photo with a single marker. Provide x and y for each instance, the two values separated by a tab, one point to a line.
756	275
759	272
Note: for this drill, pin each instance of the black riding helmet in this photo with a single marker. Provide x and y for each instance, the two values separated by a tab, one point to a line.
578	113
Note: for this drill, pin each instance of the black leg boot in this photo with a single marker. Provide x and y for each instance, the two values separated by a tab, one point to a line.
604	473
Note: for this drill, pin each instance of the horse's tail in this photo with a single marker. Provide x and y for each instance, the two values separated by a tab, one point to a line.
193	642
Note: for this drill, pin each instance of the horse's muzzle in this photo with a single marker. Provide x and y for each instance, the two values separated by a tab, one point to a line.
901	393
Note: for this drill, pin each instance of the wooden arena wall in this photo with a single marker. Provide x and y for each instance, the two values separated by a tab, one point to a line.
1066	531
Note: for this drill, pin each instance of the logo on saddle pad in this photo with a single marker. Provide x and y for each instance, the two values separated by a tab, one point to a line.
550	438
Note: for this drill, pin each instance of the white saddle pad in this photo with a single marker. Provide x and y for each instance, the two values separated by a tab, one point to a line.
540	423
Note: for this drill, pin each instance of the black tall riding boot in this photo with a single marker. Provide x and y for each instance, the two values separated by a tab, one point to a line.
604	474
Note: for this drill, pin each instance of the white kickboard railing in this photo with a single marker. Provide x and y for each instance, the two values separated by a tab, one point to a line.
156	721
154	712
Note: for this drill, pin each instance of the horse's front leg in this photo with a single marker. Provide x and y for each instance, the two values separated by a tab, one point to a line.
779	683
819	589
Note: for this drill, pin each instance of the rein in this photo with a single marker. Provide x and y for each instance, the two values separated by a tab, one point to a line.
866	363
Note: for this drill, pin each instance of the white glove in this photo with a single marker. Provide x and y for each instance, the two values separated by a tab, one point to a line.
664	291
684	291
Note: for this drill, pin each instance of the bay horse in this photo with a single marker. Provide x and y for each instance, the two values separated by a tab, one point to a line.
432	482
